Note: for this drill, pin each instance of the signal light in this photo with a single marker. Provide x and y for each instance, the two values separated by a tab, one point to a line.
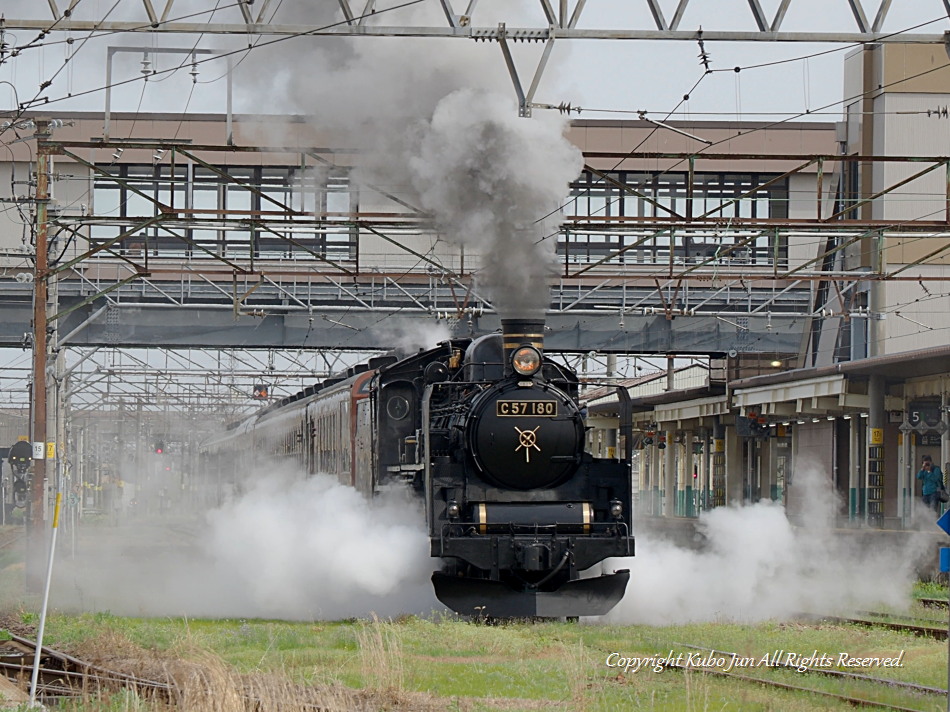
159	447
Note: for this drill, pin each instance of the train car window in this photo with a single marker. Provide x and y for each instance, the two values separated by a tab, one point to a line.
398	416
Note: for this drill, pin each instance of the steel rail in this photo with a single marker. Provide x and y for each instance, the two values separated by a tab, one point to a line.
921	630
899	684
68	670
857	701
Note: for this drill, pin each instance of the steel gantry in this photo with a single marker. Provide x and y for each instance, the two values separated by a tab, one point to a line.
542	22
678	277
544	19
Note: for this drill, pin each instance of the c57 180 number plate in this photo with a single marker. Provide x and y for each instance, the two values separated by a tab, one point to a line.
529	408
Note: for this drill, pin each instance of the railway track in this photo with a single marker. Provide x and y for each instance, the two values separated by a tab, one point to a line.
940	603
63	676
839	674
932	631
850	699
11	535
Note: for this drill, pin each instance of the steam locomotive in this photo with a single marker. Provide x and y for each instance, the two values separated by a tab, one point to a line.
490	434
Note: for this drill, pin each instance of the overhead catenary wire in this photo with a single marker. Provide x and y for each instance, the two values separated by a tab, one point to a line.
705	60
749	130
304	33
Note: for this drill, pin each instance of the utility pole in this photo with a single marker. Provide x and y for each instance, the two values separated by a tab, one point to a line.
37	511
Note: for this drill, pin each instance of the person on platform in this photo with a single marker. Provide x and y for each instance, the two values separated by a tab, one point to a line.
932	478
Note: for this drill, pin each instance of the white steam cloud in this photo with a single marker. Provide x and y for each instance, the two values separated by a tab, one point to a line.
758	566
413	335
287	548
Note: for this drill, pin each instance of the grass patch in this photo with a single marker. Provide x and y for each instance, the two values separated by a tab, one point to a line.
441	663
930	589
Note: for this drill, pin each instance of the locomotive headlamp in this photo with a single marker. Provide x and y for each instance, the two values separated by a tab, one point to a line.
453	510
526	361
616	508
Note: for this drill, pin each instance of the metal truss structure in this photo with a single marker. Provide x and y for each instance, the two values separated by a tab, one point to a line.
158	380
720	285
673	264
564	19
684	280
226	383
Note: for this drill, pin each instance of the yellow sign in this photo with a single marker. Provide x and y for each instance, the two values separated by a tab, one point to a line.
877	436
719	445
50	451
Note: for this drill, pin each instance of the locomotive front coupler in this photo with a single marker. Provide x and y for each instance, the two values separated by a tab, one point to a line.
568	557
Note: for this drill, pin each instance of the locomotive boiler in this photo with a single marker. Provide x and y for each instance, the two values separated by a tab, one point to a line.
515	508
489	434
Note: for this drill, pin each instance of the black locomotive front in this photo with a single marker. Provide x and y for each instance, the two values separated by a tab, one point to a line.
516	509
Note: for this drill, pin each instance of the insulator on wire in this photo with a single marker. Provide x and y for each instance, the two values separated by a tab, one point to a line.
703	54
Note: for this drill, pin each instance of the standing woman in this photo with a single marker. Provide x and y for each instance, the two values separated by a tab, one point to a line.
932	478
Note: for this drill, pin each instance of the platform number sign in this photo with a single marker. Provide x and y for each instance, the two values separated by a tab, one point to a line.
926	412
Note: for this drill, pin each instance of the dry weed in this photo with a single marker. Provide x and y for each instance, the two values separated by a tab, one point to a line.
381	657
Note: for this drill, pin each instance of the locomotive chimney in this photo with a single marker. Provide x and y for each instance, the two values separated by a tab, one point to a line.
521	332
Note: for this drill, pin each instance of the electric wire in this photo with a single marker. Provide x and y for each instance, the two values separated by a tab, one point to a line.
43	33
754	129
23	107
736	70
47	83
283	38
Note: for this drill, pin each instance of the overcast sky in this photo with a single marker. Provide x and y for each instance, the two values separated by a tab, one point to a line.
621	76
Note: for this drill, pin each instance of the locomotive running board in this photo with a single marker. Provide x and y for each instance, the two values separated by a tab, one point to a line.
495	599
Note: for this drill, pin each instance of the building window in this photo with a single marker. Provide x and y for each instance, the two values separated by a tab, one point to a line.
228	219
628	225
